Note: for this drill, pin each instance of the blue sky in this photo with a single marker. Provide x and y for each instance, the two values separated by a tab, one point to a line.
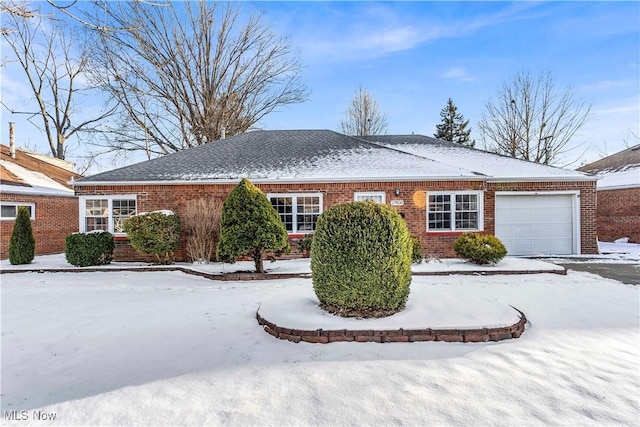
412	56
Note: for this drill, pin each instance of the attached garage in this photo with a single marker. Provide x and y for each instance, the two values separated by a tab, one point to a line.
538	223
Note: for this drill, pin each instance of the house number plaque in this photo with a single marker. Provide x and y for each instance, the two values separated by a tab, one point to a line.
397	203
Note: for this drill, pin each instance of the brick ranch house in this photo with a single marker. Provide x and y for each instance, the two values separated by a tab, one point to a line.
41	184
441	189
618	194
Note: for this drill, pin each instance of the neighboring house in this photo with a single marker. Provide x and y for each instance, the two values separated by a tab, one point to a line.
41	184
618	194
441	189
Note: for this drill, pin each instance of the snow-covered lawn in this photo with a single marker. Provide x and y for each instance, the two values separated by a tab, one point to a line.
166	348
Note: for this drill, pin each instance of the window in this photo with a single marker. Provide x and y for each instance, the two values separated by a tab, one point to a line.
454	211
299	212
9	211
377	197
106	213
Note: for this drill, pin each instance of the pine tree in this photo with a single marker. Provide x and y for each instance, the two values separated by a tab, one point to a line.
22	245
250	226
453	126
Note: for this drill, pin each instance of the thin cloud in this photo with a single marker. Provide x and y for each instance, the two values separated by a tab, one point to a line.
372	33
608	85
458	73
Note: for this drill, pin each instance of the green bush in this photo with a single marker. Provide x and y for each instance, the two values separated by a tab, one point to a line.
22	245
361	260
480	248
93	248
416	250
304	244
154	233
250	226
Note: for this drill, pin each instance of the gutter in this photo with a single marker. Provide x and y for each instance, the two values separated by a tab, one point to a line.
280	181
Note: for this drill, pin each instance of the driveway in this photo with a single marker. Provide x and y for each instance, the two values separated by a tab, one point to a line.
625	273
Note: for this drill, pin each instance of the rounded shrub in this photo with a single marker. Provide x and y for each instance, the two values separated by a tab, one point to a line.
416	250
93	248
480	248
361	260
22	245
154	233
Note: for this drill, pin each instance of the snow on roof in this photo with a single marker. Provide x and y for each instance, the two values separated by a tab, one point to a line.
359	163
626	159
627	178
495	166
37	182
327	156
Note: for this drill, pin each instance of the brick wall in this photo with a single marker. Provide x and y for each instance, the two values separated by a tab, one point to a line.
174	197
55	219
619	214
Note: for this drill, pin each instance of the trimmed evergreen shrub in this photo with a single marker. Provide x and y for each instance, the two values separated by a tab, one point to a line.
416	250
93	248
361	260
154	233
480	248
22	245
250	226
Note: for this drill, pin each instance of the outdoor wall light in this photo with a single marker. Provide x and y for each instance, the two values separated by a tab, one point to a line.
397	191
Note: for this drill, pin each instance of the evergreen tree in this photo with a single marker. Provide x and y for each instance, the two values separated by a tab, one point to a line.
453	126
22	245
250	226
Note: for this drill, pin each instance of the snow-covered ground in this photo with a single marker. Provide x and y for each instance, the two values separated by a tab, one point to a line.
292	266
166	348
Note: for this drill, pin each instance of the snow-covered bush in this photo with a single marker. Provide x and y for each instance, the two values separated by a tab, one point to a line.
154	233
93	248
361	260
480	248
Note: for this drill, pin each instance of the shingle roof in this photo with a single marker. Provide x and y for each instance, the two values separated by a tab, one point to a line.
318	155
618	162
30	173
619	170
280	155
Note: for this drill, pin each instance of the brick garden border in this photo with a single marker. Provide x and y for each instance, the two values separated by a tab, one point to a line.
261	276
322	336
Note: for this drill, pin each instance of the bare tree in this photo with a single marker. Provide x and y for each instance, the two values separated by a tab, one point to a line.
55	70
30	9
531	119
185	75
363	117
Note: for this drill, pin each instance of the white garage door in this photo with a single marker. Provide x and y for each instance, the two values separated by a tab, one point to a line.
536	224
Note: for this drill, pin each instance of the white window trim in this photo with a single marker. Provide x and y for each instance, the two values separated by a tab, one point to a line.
83	204
453	194
294	207
370	194
17	205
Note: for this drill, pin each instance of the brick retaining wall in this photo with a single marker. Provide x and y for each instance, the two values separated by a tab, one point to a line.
321	336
